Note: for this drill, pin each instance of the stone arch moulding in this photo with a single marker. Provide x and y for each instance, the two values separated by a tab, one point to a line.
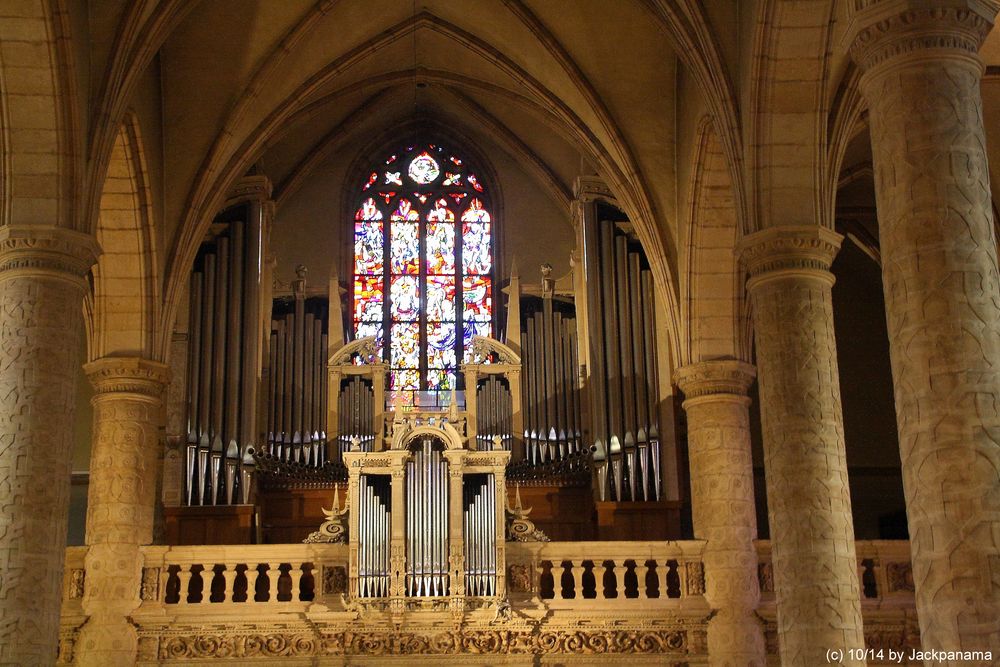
714	311
123	308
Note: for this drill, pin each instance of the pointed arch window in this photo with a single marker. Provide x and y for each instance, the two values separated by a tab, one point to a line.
423	266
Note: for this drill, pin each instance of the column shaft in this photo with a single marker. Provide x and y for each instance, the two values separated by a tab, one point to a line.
809	504
722	505
942	295
128	422
41	293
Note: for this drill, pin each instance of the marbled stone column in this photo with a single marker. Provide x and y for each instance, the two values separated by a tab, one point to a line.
809	504
942	294
41	295
128	418
722	505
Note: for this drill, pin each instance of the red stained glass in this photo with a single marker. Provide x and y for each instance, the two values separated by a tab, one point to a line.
474	182
371	179
369	295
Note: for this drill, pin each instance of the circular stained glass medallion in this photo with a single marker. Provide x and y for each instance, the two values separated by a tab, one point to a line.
423	169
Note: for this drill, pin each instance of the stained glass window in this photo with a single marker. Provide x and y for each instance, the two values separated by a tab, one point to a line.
423	266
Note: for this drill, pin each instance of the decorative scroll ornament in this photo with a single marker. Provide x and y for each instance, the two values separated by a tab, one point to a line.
483	347
333	530
519	527
363	347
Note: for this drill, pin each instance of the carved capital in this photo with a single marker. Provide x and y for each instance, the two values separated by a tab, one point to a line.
32	250
881	31
591	188
710	378
130	375
778	252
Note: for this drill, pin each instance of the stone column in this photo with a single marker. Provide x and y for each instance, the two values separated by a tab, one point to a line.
921	77
809	504
128	420
722	505
42	283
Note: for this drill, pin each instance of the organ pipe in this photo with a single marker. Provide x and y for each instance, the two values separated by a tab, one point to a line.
224	345
622	387
297	429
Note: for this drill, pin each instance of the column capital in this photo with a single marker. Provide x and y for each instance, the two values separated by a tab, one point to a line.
31	250
720	376
130	375
803	250
883	30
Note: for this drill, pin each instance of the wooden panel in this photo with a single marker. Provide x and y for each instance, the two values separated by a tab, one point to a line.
221	524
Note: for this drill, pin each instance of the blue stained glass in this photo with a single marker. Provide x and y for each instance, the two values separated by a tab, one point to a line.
477	294
440	248
404	298
440	298
404	345
404	245
441	345
476	248
368	240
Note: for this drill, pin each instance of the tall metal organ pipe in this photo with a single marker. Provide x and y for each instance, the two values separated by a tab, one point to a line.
224	359
623	389
296	405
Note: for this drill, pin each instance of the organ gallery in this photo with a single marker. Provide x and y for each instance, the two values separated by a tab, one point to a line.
524	332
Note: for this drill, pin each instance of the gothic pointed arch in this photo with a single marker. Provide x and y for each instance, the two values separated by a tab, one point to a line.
123	307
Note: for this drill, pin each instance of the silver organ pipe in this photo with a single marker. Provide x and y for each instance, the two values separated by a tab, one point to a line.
356	404
494	413
374	525
224	359
297	429
427	521
551	387
623	381
479	533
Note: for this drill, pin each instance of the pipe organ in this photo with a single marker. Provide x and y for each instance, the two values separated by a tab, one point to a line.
430	515
296	421
224	360
623	388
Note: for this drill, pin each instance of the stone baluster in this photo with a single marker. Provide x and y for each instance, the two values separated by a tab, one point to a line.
42	284
273	576
577	569
599	570
921	78
809	504
124	467
662	571
296	574
567	568
229	576
258	581
641	569
619	571
722	505
184	576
